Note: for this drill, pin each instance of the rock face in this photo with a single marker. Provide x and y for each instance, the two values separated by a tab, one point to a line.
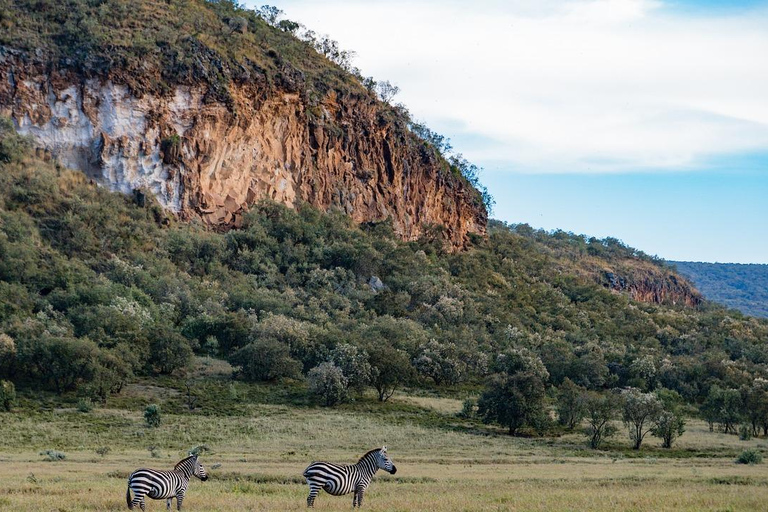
203	158
652	284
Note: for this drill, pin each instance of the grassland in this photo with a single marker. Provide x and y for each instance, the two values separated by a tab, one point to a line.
263	443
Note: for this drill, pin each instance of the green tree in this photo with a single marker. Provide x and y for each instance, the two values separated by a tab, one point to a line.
514	395
640	412
601	410
355	365
168	350
7	395
440	362
265	360
328	382
390	369
570	404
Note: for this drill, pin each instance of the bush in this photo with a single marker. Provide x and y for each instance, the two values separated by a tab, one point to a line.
12	146
7	395
468	409
103	450
355	365
328	382
265	360
152	415
53	455
745	432
668	427
750	457
85	405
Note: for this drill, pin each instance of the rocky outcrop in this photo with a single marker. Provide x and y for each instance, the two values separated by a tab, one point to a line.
205	158
652	284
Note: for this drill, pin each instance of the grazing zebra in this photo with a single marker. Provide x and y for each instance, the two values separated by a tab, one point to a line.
339	479
166	485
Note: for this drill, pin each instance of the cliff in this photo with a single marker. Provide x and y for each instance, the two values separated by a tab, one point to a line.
208	150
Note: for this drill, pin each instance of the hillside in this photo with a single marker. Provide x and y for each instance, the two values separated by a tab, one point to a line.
738	286
97	288
211	108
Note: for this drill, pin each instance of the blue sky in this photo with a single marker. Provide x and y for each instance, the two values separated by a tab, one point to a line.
646	120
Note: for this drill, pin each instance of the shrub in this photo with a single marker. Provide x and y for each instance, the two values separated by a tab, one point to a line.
468	409
152	415
668	427
12	146
328	382
85	405
265	360
745	432
355	365
7	395
103	450
53	455
750	457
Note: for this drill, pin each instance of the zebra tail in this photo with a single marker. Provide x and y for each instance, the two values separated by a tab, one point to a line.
128	497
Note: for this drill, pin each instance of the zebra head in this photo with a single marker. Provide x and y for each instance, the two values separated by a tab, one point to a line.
384	462
199	471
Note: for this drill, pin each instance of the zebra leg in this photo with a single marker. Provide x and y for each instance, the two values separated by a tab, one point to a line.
179	499
168	503
357	499
313	492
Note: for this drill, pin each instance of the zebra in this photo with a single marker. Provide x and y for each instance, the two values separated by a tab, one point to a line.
166	485
340	479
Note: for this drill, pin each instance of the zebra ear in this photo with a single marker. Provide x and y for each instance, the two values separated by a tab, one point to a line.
384	448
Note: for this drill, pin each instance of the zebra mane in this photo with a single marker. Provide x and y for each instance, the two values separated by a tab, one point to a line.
183	463
370	452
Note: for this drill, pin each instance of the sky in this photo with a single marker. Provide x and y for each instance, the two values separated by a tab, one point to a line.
645	120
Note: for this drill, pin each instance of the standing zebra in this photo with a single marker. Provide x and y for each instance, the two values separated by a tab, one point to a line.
166	485
339	479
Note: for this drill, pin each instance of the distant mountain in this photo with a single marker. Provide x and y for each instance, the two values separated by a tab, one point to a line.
738	286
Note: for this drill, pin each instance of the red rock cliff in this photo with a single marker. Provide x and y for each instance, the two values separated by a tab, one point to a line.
206	158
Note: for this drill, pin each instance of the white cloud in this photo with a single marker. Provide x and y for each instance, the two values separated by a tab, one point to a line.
599	85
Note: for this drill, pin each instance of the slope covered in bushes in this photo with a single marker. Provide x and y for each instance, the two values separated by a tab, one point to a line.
95	289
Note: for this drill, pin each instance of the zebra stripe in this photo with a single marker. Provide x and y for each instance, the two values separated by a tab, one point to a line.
165	485
340	479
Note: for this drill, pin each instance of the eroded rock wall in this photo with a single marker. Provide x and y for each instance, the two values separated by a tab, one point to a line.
202	158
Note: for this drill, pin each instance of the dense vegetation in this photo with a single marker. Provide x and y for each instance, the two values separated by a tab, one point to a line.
738	286
95	290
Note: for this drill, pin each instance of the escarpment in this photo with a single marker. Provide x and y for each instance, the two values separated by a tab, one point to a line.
209	156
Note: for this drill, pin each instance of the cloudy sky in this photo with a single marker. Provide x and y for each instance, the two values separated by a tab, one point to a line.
646	120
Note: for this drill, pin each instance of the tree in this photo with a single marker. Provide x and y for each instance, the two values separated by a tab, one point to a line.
570	404
601	410
265	360
386	90
7	355
640	411
390	369
514	395
328	382
723	406
7	395
168	350
440	362
670	424
755	400
354	364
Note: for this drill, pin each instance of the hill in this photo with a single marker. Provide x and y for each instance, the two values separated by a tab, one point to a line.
211	107
98	287
738	286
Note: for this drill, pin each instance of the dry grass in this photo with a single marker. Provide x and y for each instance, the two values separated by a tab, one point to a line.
263	454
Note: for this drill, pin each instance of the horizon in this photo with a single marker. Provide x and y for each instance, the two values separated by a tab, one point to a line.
583	114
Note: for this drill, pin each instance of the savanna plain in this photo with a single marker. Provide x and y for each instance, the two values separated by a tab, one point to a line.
259	439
